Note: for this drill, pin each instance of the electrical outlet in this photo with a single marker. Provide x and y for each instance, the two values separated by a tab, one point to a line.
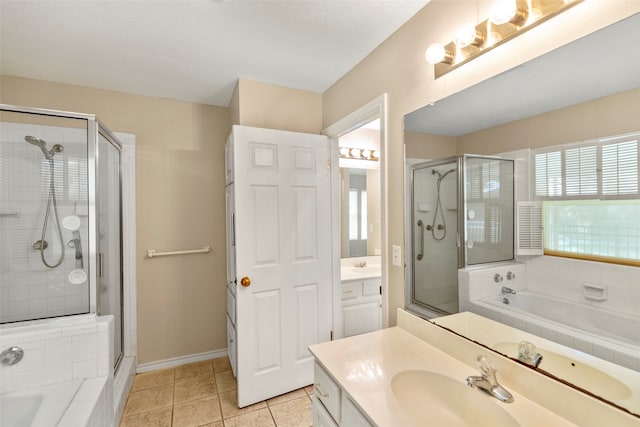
396	255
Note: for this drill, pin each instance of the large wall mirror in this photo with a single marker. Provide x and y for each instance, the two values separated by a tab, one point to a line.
360	192
587	89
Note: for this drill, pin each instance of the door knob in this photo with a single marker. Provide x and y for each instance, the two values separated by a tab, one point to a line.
245	281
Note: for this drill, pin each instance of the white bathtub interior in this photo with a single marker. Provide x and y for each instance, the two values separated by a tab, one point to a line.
37	407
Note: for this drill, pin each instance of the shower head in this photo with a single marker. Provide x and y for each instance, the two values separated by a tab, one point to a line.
35	141
440	174
48	154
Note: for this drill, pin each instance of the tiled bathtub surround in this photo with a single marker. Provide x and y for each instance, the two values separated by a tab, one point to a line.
204	394
57	350
562	280
61	350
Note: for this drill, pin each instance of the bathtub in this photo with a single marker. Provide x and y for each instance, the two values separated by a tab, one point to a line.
607	324
613	336
67	404
65	377
43	406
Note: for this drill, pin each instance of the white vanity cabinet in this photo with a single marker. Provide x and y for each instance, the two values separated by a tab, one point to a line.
332	406
361	306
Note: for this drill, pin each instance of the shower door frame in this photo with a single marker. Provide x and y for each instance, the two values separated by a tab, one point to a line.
92	135
94	128
411	304
115	142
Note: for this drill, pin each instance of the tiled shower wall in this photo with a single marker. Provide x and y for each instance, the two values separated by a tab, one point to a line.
28	289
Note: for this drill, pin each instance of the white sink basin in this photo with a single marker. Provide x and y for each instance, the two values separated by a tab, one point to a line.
442	401
566	368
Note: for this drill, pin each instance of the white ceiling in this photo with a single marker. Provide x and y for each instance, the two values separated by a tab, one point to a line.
193	50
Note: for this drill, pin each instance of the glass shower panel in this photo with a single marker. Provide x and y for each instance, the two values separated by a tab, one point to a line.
435	229
488	210
43	216
110	238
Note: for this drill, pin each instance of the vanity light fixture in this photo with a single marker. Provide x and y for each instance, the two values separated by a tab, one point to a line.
508	19
359	154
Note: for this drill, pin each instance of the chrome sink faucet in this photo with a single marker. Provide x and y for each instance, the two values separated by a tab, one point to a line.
488	382
528	353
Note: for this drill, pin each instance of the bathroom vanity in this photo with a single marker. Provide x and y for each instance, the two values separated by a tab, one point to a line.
361	296
415	374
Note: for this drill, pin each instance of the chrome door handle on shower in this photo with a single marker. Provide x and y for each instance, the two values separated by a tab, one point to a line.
421	253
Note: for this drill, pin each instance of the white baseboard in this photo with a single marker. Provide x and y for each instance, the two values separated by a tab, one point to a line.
179	361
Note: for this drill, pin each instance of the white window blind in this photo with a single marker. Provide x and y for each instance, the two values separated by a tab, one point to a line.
529	226
548	174
597	169
581	171
353	214
620	168
363	215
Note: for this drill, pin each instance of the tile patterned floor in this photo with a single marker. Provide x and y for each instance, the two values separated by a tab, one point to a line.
204	394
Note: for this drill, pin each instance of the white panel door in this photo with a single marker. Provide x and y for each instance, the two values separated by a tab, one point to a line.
283	247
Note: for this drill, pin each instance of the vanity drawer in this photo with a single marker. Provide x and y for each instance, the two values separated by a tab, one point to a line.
321	417
351	290
327	391
351	415
370	288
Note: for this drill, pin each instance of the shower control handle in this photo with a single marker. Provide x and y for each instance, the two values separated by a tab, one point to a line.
245	281
497	278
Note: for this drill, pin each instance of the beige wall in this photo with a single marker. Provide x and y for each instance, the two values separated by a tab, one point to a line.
180	205
276	107
397	67
426	146
611	115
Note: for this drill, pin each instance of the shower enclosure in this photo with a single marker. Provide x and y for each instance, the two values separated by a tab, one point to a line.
60	218
460	212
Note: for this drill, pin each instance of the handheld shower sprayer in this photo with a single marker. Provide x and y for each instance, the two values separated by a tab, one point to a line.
42	244
48	154
441	227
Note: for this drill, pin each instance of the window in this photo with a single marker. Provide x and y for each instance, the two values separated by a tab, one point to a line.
357	214
596	228
591	199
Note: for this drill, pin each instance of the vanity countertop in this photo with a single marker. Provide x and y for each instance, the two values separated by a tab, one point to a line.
359	273
365	365
360	268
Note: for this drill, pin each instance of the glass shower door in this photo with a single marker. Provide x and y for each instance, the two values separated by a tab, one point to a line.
434	235
110	281
488	210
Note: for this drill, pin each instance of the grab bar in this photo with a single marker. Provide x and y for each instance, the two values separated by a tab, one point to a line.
153	253
421	254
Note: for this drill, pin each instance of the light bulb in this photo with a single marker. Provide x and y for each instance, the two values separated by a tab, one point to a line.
366	154
503	11
435	53
465	35
376	154
355	153
344	151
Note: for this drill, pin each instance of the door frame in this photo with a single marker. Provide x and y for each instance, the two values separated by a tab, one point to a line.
377	108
